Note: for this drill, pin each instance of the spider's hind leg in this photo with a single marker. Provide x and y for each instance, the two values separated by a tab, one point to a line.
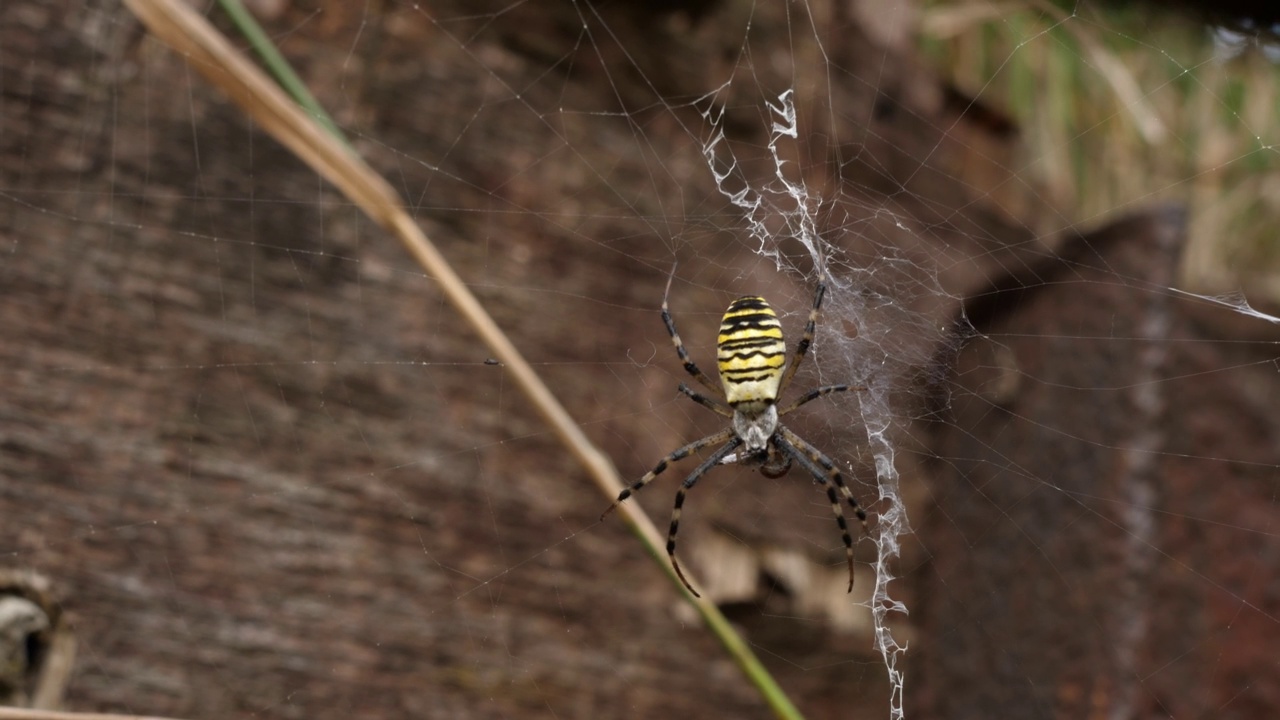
711	403
689	366
806	339
818	393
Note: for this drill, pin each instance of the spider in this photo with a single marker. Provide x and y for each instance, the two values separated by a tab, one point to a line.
754	372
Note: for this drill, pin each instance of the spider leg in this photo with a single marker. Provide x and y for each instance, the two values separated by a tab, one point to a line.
689	365
689	482
679	454
713	404
825	473
806	340
820	392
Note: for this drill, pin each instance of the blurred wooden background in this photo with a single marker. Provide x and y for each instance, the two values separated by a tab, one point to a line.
265	471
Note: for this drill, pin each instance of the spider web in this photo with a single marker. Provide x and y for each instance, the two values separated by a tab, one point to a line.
780	211
264	467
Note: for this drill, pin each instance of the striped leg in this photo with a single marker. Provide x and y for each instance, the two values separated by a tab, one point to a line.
713	404
689	482
689	365
680	454
820	392
825	473
807	339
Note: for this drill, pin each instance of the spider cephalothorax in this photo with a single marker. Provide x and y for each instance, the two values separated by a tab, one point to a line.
752	359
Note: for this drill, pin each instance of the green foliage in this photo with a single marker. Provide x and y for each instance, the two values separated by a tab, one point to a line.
1126	107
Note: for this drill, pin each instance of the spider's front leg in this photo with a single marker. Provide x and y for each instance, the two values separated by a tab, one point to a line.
825	472
658	469
689	482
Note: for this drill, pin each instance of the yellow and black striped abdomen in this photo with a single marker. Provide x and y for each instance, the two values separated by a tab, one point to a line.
751	353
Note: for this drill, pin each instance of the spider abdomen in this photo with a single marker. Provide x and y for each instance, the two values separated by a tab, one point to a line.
751	354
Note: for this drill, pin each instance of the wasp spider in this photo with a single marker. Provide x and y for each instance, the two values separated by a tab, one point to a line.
754	372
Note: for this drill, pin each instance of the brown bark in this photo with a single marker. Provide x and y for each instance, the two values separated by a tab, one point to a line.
267	471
